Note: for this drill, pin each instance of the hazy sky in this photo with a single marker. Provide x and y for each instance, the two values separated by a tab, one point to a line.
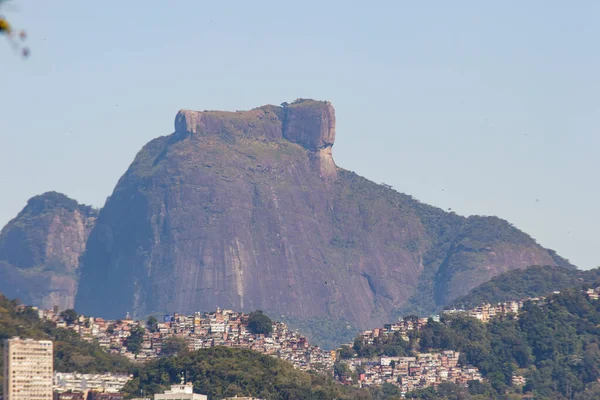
483	108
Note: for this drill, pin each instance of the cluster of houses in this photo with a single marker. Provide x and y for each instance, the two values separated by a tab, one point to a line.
200	330
411	373
593	294
487	312
230	329
408	373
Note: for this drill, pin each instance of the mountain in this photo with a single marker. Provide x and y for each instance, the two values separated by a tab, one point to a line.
248	210
40	249
523	283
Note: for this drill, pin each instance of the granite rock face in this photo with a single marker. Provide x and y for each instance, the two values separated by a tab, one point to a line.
310	123
40	249
247	210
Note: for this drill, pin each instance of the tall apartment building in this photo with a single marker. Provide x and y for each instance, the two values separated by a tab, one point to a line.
28	368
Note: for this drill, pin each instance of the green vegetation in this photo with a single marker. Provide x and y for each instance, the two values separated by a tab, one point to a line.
555	345
152	323
523	283
70	352
392	345
451	391
327	333
173	346
135	339
259	323
222	372
69	316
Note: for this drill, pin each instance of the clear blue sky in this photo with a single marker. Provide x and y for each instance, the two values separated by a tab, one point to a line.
484	107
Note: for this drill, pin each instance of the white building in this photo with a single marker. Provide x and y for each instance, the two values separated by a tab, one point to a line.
76	382
28	366
183	391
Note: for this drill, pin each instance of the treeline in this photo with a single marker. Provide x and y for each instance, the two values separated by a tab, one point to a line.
522	283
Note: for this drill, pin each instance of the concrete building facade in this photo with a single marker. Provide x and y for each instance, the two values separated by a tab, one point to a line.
28	369
183	391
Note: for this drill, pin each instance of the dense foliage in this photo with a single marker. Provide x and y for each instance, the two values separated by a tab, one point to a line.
69	316
259	323
152	323
451	391
70	353
327	333
135	339
392	345
173	346
554	345
528	282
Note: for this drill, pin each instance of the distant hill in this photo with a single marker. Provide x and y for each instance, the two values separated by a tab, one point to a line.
40	249
70	352
529	282
226	372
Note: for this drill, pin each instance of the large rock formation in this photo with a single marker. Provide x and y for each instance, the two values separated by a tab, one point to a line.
40	249
247	210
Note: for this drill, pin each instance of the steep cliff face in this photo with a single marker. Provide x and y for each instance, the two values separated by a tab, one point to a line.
40	249
248	210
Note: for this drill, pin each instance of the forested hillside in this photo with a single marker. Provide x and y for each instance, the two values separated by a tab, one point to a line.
529	282
554	345
224	372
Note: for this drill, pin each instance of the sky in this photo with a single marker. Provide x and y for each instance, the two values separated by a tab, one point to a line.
485	108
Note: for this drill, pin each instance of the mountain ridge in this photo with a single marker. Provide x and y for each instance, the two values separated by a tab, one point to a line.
533	281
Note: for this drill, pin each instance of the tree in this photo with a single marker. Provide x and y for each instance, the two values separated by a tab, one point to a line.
346	352
135	340
341	369
259	323
173	346
152	323
69	316
481	388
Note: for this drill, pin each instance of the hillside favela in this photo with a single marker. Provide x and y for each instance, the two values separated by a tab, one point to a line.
299	201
